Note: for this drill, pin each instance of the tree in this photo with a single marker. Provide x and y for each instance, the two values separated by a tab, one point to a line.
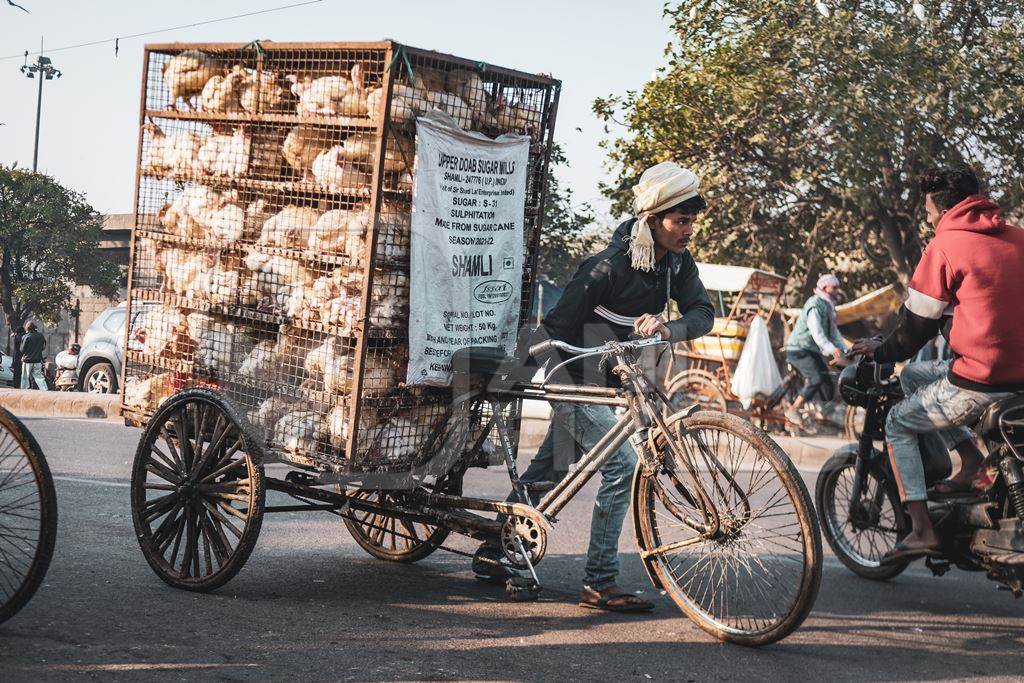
564	239
49	242
809	131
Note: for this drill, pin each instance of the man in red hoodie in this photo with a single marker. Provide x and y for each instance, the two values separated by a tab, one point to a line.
973	270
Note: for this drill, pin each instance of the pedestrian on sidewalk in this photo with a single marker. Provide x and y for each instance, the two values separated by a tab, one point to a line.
16	336
32	347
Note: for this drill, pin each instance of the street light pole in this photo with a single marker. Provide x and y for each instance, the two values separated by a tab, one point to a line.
45	70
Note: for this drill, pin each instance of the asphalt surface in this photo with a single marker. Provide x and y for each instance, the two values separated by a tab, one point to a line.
311	606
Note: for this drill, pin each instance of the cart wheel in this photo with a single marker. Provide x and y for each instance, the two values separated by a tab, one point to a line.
28	515
397	539
197	491
696	386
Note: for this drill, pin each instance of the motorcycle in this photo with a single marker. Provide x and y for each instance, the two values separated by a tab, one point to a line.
66	378
859	506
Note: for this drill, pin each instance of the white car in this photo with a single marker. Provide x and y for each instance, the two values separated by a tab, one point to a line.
6	371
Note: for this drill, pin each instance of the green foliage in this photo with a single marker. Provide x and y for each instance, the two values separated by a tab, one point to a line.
49	242
564	240
809	131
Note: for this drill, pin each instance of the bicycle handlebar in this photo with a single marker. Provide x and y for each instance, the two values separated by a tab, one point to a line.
549	344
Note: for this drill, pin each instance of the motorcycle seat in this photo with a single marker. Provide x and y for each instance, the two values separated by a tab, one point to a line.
1011	408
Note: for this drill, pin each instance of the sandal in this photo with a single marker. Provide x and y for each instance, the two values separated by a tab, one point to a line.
904	553
616	602
948	487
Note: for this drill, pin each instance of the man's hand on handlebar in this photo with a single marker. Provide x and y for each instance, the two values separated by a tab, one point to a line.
865	347
648	325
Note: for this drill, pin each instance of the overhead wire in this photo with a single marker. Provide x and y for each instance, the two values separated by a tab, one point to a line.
116	39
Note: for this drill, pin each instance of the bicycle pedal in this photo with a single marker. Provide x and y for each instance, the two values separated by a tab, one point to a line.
522	589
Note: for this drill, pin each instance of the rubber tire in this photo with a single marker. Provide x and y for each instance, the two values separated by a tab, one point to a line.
837	462
805	511
425	549
252	530
96	368
47	514
700	377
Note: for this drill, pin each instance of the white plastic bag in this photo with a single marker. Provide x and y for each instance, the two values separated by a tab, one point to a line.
756	372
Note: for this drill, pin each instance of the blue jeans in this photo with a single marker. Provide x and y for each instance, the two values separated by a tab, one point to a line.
932	404
575	428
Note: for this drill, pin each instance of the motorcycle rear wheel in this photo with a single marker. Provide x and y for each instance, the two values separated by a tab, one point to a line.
859	544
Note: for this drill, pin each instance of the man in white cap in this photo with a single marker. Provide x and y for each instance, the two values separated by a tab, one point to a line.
815	337
618	292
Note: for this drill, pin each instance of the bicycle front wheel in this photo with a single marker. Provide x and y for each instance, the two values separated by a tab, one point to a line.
752	577
28	515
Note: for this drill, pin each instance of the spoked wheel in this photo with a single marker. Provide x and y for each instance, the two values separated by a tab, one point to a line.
28	515
197	491
752	578
696	386
861	533
395	538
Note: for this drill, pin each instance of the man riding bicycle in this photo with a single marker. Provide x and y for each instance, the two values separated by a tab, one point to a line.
815	336
974	267
616	293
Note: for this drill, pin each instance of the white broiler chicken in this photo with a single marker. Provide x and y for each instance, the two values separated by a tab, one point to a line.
333	172
159	330
322	96
390	307
299	431
453	105
227	223
290	227
269	412
317	359
186	73
269	360
303	145
222	94
226	283
398	154
147	394
188	215
332	299
184	271
519	117
267	91
337	427
406	102
395	225
219	346
353	102
226	156
399	438
471	88
277	279
341	231
378	370
175	154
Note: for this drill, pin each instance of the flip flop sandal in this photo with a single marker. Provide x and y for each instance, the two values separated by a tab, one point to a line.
627	603
903	553
951	488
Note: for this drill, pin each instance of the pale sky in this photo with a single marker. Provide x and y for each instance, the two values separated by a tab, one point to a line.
596	47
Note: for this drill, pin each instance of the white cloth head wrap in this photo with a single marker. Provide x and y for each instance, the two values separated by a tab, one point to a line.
661	187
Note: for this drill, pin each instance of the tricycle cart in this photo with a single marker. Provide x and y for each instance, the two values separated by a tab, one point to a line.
273	290
700	371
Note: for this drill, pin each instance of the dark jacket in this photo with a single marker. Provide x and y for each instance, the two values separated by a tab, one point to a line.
608	279
32	347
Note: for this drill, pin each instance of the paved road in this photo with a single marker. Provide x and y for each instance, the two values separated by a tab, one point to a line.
311	606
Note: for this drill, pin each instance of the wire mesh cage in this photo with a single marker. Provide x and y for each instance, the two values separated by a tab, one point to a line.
270	255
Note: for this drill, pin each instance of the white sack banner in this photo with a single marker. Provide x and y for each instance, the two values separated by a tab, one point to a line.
467	244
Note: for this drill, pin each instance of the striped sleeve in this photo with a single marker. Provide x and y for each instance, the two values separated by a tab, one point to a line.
931	288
